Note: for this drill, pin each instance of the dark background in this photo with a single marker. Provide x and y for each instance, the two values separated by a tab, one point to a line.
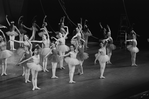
95	11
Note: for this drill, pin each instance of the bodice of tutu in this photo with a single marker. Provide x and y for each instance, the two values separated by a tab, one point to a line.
62	40
102	51
80	49
3	46
73	54
12	37
134	42
110	41
46	43
26	43
54	51
36	59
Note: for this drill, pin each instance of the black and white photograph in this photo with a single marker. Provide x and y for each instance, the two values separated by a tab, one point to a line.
74	49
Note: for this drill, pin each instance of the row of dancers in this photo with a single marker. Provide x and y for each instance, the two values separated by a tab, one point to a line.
35	58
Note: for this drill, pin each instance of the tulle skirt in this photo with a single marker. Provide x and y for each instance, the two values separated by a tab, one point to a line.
54	58
12	33
82	56
20	51
63	48
132	49
111	46
102	58
72	61
45	51
5	54
33	66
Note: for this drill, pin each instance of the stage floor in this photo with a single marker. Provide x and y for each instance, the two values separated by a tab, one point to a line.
122	80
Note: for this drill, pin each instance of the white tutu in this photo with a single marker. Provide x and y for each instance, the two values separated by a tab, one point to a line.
5	54
112	46
71	61
33	66
132	49
45	51
103	58
63	48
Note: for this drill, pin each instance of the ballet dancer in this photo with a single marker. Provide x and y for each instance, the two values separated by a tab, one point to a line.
27	46
81	56
4	53
54	58
34	66
72	61
86	34
21	29
102	57
12	33
133	48
61	46
45	45
77	38
110	45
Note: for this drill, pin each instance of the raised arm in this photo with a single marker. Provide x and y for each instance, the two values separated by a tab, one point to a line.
7	20
109	28
17	30
100	25
67	32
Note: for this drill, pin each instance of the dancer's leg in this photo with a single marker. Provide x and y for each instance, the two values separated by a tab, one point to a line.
102	69
54	66
71	73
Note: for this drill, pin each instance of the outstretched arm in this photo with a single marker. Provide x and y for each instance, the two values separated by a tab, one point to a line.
35	41
25	60
26	27
18	41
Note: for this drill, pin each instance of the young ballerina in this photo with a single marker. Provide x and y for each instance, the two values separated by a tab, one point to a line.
77	38
110	45
133	48
72	61
45	45
81	56
34	66
12	33
54	59
87	33
27	44
21	29
102	57
4	53
61	46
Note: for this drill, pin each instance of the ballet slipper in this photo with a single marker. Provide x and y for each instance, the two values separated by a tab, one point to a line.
102	77
37	88
72	82
54	77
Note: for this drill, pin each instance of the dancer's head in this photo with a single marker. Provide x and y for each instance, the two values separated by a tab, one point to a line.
25	37
44	37
72	47
101	44
60	35
36	49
